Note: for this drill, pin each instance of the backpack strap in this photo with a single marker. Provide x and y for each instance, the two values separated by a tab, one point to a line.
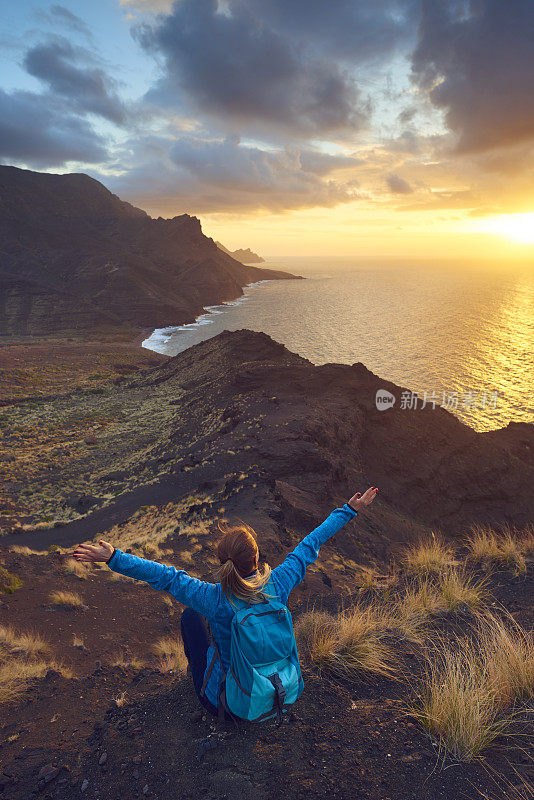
216	655
279	696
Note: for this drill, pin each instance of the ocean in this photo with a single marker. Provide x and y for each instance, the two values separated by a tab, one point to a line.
461	334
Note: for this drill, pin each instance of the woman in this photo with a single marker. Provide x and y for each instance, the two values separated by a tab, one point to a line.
238	577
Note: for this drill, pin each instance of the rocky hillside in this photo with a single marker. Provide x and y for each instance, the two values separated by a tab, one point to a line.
75	257
272	437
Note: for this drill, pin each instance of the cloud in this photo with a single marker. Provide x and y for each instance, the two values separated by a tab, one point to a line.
237	69
398	185
69	72
60	14
36	130
441	199
475	60
219	175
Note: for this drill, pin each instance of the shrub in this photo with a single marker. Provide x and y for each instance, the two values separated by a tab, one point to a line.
428	558
9	583
66	599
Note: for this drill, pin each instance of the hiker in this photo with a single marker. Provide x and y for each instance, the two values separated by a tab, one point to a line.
247	664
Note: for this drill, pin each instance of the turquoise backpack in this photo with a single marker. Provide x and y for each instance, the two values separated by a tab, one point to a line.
264	677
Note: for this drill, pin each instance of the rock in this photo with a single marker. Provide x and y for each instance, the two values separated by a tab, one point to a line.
208	744
85	784
103	758
47	773
232	784
145	788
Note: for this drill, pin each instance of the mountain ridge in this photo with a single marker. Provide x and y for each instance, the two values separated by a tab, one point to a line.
74	257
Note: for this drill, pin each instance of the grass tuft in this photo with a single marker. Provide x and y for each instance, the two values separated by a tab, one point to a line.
507	651
350	644
171	655
490	549
459	590
73	567
26	644
428	558
66	599
455	704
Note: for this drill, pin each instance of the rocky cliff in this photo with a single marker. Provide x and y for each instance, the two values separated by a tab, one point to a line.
75	257
246	256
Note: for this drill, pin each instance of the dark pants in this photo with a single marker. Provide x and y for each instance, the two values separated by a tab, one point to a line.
196	641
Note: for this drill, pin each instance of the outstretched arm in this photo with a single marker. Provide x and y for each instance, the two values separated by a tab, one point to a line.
292	570
199	595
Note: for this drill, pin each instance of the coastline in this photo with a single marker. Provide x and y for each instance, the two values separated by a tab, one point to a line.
202	318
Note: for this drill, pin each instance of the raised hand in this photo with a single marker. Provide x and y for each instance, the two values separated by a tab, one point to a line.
359	501
91	552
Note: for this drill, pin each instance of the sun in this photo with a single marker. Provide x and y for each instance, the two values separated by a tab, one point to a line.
517	227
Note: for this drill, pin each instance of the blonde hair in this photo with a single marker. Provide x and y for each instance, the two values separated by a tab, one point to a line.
237	551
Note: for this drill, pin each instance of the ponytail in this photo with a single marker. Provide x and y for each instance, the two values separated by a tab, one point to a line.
237	575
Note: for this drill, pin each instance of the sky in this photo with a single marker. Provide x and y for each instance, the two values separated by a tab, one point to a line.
296	127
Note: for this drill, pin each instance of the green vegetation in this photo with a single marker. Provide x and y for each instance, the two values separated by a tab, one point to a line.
9	582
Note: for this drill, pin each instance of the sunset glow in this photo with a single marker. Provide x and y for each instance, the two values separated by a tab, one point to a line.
517	227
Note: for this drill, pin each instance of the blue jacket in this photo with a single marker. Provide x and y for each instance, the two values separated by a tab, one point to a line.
209	599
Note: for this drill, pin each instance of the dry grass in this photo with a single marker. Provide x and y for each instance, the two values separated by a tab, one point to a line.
147	529
507	651
456	705
121	700
421	601
27	644
428	558
490	549
127	661
527	541
472	684
66	599
349	644
73	567
15	674
23	550
459	590
170	652
78	641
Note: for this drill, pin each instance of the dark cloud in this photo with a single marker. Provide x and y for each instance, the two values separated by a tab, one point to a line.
475	59
237	68
354	31
60	14
398	185
70	73
36	130
203	175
